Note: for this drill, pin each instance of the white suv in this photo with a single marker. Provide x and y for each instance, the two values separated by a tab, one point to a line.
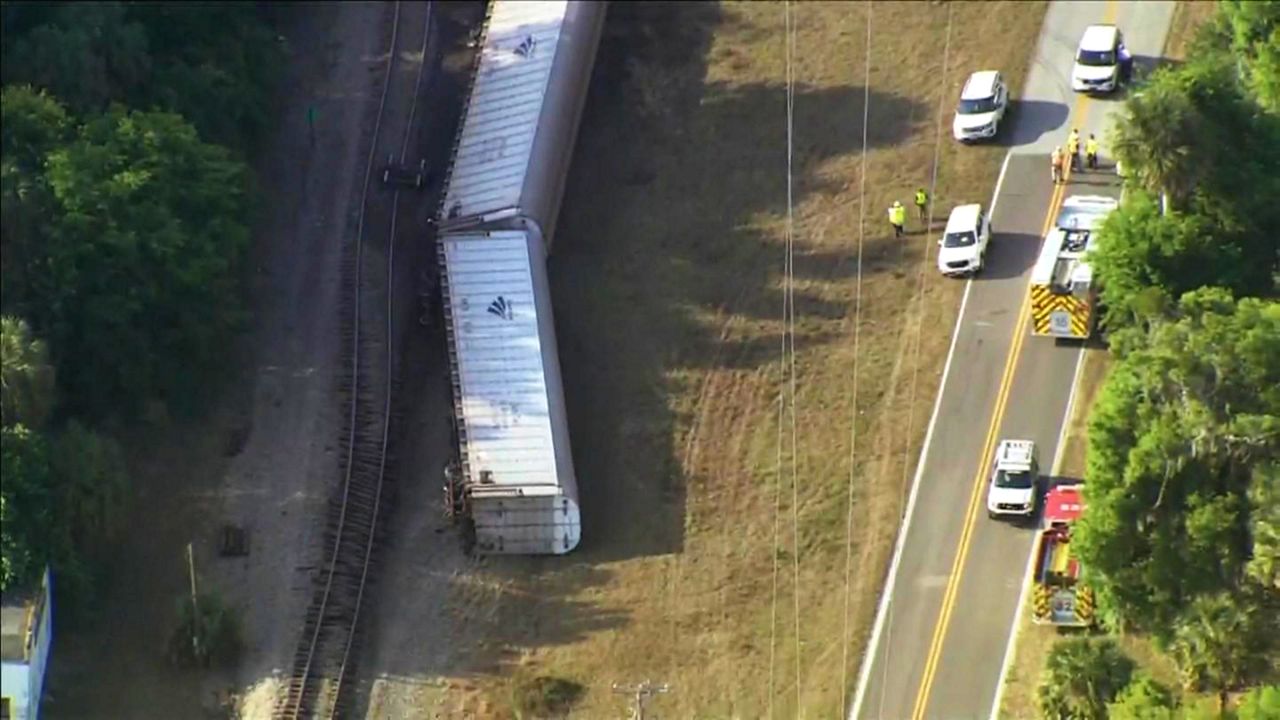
1101	60
1013	481
982	104
963	245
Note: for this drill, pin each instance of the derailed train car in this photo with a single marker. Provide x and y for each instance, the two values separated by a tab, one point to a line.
515	477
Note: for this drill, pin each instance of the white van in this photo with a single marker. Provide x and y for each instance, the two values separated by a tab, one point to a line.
1102	61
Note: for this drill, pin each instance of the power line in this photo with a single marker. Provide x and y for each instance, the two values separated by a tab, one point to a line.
791	332
782	389
857	331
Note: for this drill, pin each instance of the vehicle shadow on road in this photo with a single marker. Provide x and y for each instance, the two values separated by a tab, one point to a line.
1009	255
1031	119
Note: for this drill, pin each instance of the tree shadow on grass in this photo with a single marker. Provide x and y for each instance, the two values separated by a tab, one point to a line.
671	228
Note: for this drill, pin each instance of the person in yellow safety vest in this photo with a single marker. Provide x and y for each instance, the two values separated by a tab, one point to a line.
922	204
897	217
1091	152
1073	148
1055	165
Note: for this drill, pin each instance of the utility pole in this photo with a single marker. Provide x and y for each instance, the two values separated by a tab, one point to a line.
640	694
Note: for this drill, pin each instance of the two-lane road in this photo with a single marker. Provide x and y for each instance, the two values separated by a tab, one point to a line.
945	621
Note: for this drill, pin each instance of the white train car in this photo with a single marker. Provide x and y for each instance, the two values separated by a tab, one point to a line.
496	219
517	134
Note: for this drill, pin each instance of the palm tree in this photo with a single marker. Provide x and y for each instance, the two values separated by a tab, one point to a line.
1081	676
1154	142
26	377
1219	643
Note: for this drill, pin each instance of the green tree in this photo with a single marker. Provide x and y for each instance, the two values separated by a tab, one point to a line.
1220	643
1081	676
27	379
1146	258
1186	413
32	125
1260	704
1264	501
221	81
1143	699
25	505
1204	709
215	64
1253	29
142	265
89	472
87	54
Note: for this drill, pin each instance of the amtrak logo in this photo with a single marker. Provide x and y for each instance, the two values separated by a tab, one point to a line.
503	308
526	47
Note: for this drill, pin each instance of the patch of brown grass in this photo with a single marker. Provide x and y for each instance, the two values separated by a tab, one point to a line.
1075	445
668	275
1188	16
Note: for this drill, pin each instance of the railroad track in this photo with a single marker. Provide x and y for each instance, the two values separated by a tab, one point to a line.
324	662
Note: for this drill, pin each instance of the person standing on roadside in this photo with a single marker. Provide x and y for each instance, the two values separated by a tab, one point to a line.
897	218
1055	165
922	205
1091	152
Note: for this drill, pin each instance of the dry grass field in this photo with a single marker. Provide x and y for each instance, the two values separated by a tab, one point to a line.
715	543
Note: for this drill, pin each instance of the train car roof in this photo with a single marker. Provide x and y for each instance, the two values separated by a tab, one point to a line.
505	421
499	125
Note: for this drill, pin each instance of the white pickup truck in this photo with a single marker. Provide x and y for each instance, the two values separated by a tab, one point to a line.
1013	480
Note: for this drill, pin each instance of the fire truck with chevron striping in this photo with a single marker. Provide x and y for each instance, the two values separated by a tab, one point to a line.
1059	597
1064	298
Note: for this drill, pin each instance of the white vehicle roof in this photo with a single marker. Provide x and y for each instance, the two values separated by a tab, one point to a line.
1015	455
1099	38
963	218
1062	258
1085	212
980	85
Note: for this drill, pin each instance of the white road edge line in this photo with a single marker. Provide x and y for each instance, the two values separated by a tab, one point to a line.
868	658
1031	555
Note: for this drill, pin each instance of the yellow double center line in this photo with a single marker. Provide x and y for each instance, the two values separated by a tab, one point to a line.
1006	382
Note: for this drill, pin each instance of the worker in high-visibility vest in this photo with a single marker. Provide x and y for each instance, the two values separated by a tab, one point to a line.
922	204
1055	165
897	217
1091	152
1073	148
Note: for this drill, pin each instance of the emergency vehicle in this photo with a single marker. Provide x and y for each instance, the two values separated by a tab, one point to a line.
1059	597
1064	298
